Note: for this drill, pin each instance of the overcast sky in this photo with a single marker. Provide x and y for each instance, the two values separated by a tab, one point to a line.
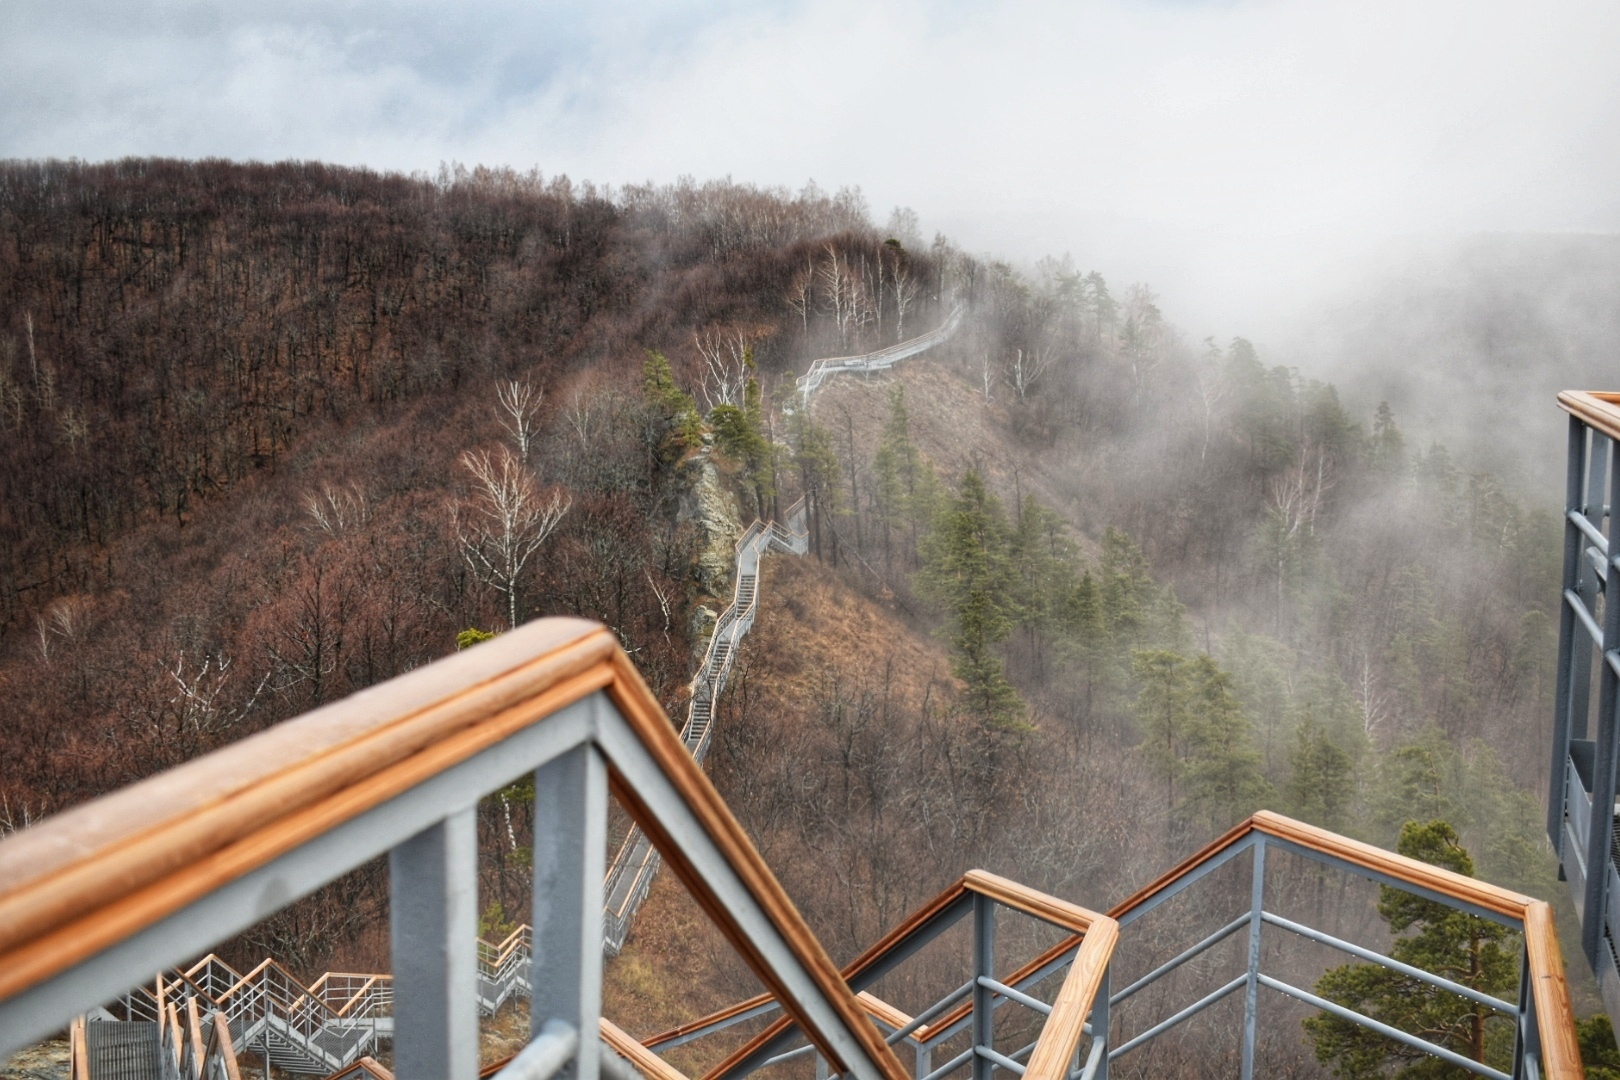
1231	154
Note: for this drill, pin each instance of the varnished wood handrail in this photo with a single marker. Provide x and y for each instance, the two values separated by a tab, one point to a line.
77	882
227	1047
1002	890
80	882
1595	408
1060	1035
1555	1019
1554	1013
1402	868
1029	901
649	1064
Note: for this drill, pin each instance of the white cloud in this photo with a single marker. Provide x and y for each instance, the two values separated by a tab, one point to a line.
1226	152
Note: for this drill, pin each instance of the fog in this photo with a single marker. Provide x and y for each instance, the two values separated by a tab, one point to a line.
1243	157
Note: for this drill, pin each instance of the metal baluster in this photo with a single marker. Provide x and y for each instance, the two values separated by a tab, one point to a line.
570	837
1566	725
984	967
1251	993
434	923
1100	1022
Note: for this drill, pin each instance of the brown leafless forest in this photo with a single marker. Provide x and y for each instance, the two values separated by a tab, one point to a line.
274	433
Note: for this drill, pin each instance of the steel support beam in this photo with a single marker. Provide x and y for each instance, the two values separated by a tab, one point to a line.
1566	725
984	967
433	920
1601	834
570	841
1251	993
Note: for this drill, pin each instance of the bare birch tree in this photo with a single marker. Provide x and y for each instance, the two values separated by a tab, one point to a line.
519	405
728	360
505	522
338	509
1027	367
904	287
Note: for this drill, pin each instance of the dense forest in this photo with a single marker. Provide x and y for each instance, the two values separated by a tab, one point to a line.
274	433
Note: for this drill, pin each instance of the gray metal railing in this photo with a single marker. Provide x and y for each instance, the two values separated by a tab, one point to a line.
958	1027
822	370
635	864
631	872
104	894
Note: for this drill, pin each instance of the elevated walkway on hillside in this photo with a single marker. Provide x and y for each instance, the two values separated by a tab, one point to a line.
631	872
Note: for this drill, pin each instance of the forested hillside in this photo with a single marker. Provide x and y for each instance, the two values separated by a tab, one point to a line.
274	433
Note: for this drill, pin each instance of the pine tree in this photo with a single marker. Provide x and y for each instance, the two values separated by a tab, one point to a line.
1463	948
905	490
1197	737
817	462
966	572
739	433
1321	782
675	425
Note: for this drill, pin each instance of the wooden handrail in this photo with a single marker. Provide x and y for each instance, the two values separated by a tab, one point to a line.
1595	408
1555	1016
93	876
1029	901
96	874
227	1048
1060	1035
1402	868
78	1050
1560	1051
1002	890
649	1064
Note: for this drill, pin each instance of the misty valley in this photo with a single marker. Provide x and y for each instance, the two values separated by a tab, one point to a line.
939	564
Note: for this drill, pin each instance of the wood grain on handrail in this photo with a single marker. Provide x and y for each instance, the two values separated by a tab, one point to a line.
1403	869
94	875
1555	1018
1595	408
1060	1035
649	1064
1029	901
227	1046
194	1031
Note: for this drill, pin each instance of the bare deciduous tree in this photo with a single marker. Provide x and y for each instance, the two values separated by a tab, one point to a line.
728	360
519	404
904	287
505	523
1026	368
336	510
800	297
581	416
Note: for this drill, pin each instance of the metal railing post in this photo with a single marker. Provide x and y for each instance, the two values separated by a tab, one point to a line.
1251	992
1601	832
1101	1021
434	926
570	838
1524	1022
1565	725
984	967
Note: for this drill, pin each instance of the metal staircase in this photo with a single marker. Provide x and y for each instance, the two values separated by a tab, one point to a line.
634	865
316	1029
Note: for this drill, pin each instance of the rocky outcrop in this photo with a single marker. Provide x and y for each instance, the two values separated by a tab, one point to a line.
711	510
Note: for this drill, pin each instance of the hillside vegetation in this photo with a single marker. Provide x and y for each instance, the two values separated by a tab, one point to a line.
1081	594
